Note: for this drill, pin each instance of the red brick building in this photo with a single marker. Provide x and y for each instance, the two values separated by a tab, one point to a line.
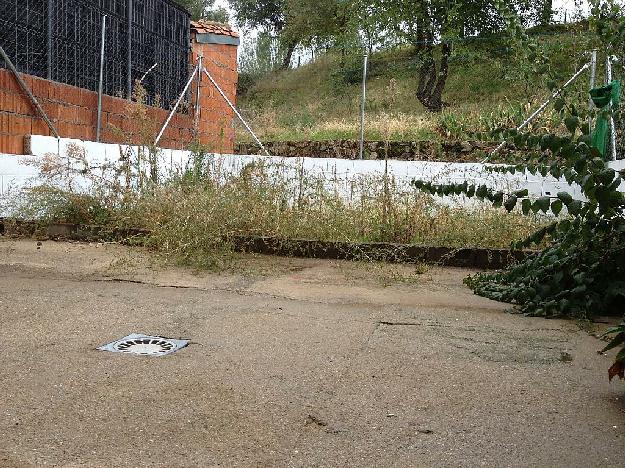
73	110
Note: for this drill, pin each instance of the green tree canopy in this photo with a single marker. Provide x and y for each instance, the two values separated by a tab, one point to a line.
268	16
204	9
293	22
433	27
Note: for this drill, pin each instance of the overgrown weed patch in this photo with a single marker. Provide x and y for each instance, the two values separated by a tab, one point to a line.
194	218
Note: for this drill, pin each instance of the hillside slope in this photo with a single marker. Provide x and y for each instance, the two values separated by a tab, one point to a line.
320	101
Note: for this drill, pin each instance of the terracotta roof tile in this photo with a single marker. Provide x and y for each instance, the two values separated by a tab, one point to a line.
212	27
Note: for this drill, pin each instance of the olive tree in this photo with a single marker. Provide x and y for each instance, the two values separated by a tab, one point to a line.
433	27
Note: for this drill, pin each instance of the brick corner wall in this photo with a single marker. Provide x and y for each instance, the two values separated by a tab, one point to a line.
216	129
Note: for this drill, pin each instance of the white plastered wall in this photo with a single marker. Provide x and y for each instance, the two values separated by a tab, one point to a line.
340	175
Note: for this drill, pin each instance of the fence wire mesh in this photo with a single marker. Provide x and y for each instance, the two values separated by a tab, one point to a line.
61	39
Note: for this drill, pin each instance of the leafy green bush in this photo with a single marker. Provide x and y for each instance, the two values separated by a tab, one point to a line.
582	272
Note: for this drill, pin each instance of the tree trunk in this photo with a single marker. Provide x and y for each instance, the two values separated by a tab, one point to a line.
432	78
288	55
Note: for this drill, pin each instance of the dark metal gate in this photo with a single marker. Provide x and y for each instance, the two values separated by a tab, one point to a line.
60	40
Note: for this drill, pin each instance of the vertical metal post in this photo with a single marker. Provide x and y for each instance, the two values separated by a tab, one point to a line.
593	75
608	76
129	13
197	91
50	6
101	83
362	107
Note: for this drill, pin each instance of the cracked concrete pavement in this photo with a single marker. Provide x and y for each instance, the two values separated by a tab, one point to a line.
292	363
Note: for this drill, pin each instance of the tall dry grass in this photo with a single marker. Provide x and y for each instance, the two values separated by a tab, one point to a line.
194	222
194	217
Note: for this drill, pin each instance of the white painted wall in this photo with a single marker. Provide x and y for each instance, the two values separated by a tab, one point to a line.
340	175
15	173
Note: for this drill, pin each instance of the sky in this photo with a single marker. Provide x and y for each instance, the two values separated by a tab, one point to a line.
569	6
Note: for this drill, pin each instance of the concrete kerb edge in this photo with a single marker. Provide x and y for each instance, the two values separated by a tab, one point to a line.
68	231
381	251
480	258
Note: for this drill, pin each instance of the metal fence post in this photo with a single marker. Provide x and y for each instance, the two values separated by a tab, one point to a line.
50	6
101	84
608	75
129	13
593	74
175	108
198	92
236	112
362	108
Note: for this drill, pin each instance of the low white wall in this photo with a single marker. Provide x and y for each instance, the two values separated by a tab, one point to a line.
15	173
338	174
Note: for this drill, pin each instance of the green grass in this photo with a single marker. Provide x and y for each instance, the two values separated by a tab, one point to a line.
320	100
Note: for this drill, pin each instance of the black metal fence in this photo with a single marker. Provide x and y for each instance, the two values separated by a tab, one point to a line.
61	39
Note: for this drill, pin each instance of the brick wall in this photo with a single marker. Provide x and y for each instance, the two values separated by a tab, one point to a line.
74	111
216	117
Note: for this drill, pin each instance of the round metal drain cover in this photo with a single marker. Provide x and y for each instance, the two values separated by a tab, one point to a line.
145	346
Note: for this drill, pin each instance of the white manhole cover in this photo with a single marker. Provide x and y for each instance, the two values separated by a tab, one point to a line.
144	345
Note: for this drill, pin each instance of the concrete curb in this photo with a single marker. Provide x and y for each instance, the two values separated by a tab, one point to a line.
69	231
382	251
305	248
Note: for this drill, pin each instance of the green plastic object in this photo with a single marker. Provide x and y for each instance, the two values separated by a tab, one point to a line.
603	97
606	94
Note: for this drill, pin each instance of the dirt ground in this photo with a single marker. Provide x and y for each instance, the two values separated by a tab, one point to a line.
292	363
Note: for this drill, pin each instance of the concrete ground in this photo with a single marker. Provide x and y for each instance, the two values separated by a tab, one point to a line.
291	363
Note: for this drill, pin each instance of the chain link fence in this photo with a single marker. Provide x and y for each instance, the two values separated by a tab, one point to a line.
61	39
